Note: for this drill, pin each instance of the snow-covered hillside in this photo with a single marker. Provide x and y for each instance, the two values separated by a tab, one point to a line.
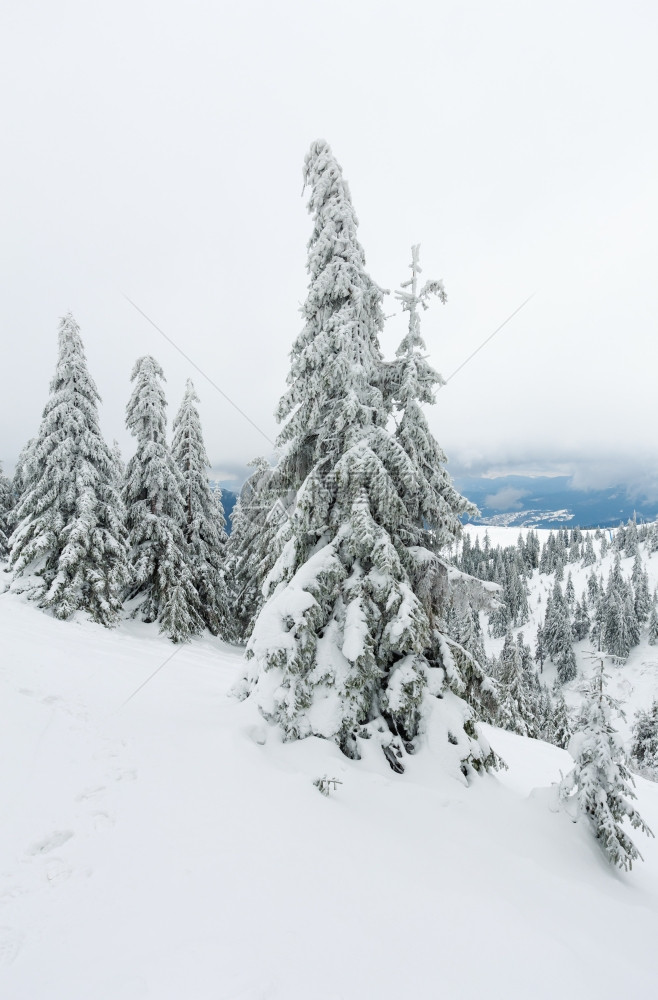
527	518
169	845
635	684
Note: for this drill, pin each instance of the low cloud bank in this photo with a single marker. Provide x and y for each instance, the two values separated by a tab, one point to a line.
506	499
635	472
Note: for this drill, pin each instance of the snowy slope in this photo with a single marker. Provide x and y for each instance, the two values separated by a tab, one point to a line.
172	847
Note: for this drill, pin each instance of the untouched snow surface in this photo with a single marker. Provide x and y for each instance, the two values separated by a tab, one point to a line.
173	847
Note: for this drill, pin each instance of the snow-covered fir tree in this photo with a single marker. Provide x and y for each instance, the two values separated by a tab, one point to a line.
470	657
581	621
468	631
509	569
546	718
204	519
593	590
558	638
644	748
615	634
599	788
566	660
519	689
19	482
589	556
641	598
597	618
6	505
68	548
545	713
119	464
259	528
653	621
540	649
570	594
161	587
652	538
500	621
349	635
528	550
620	626
628	540
561	729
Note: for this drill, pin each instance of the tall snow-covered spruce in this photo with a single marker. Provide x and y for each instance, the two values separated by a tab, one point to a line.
161	586
68	547
344	647
205	523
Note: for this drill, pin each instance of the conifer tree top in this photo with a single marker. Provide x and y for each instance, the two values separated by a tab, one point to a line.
145	413
71	362
188	448
71	383
335	359
190	395
324	176
333	241
413	298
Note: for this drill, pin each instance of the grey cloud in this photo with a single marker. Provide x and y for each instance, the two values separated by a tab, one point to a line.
588	469
505	499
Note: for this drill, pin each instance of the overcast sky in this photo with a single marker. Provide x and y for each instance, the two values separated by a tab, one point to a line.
155	149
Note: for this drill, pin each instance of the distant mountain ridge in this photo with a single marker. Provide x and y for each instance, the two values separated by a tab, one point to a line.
532	502
551	502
